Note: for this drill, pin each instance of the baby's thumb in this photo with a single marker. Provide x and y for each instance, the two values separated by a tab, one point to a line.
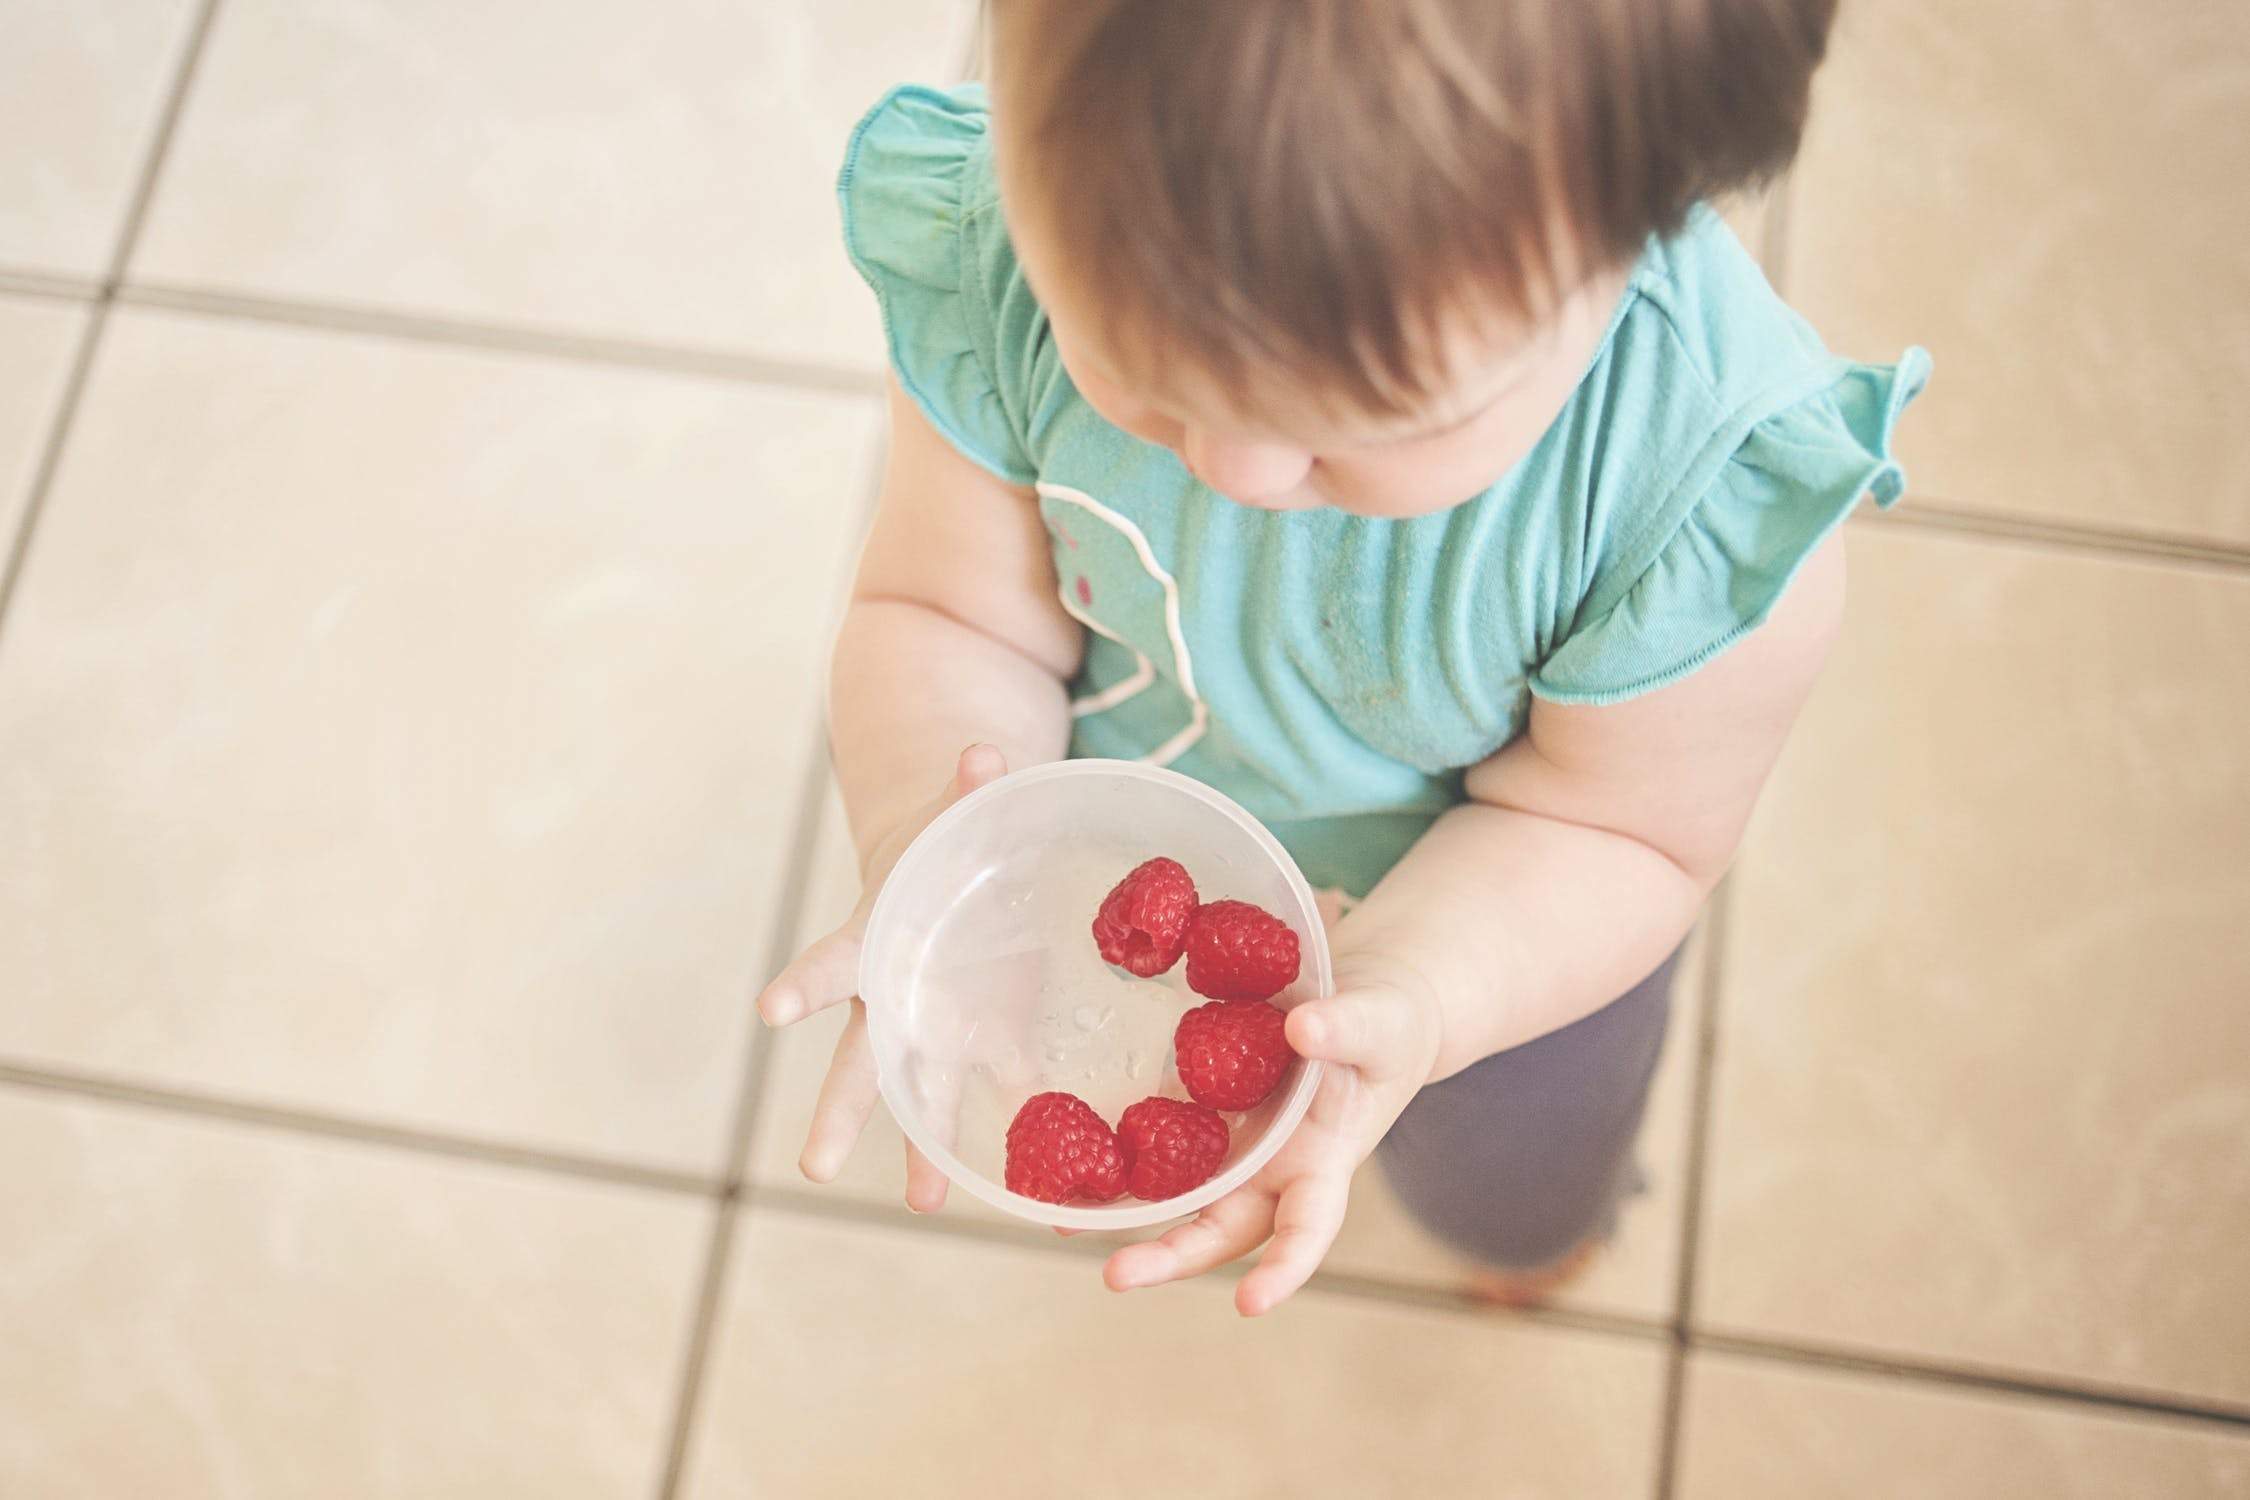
1366	1029
978	765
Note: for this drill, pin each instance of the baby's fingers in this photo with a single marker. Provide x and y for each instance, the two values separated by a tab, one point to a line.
817	978
1228	1228
847	1098
940	1110
925	1184
1305	1223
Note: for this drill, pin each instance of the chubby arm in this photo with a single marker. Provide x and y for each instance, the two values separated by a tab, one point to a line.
954	634
1590	842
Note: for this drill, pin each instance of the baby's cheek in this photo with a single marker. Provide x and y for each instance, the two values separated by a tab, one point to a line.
1150	427
1123	412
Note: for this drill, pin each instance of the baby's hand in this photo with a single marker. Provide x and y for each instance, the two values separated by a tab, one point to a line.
1377	1040
828	972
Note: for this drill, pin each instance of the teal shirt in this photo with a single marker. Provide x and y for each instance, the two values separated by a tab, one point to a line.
1337	674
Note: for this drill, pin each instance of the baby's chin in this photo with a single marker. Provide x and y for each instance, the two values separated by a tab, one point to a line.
1376	504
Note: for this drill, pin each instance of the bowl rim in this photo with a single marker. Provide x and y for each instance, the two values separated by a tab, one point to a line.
1125	1213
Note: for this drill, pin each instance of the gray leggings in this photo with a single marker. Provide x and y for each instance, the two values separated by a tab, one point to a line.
1516	1159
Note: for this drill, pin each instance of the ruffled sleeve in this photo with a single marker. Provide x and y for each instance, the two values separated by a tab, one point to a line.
909	190
1791	480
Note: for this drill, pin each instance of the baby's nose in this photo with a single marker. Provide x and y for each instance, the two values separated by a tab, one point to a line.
1248	473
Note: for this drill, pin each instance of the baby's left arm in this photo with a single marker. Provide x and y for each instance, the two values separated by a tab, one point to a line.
1581	860
1590	843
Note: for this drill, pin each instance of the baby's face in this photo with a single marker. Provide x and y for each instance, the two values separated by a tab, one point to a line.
1502	388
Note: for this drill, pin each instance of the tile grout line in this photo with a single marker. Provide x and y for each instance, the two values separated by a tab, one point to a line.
674	359
188	1102
710	1286
788	920
160	147
787	915
1929	513
2225	1414
59	425
65	414
1695	1170
48	287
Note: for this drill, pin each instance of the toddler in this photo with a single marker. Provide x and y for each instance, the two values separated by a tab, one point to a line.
1357	407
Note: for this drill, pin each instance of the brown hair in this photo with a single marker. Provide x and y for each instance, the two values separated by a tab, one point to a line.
1311	185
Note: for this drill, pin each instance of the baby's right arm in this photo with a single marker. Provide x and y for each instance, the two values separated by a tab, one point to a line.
954	637
955	634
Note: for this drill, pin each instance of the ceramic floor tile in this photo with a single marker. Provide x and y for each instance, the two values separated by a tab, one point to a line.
82	84
832	885
1754	1430
2050	199
37	341
1980	1094
574	167
861	1360
196	1309
409	732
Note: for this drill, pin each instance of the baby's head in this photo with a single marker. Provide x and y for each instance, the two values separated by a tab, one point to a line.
1358	252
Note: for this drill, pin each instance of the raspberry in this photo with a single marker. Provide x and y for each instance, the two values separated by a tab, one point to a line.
1173	1146
1059	1149
1143	922
1231	1053
1236	951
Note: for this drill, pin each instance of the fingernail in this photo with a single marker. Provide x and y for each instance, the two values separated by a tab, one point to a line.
780	1008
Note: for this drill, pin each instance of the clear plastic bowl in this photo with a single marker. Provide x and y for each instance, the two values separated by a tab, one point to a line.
983	986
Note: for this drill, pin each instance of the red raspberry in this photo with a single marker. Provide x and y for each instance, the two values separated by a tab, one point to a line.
1059	1149
1231	1053
1143	922
1236	951
1173	1146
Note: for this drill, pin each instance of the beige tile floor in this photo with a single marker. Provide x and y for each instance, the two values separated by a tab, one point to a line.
408	764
